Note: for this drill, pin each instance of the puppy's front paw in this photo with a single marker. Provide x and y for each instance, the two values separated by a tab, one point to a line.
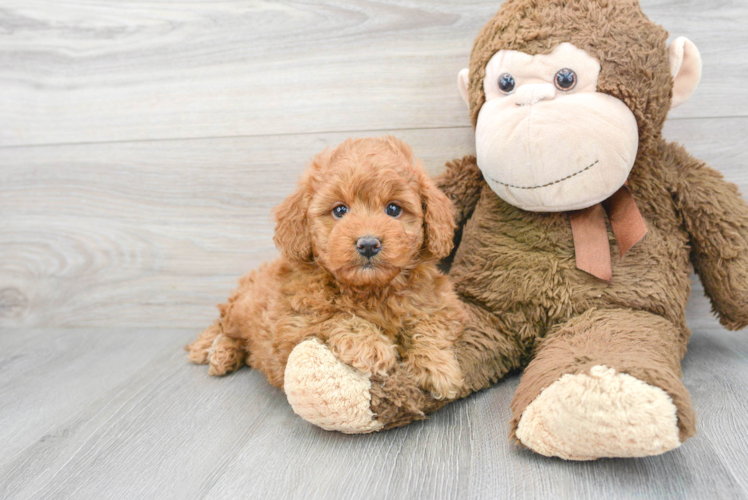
371	356
437	372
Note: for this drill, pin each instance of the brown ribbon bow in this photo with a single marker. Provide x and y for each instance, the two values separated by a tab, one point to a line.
591	244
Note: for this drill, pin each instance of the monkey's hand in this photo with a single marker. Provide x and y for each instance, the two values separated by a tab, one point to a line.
716	217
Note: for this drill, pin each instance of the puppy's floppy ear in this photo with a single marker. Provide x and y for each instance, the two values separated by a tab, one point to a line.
291	224
291	227
438	218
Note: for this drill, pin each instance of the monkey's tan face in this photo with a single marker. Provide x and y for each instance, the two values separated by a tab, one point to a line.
546	140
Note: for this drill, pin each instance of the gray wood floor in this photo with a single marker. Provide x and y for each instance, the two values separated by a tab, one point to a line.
142	145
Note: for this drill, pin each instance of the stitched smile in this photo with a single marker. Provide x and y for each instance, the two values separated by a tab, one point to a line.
550	183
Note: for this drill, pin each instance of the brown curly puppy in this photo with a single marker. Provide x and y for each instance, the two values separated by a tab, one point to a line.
360	239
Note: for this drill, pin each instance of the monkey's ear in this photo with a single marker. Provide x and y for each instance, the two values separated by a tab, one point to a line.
463	83
685	66
291	228
438	218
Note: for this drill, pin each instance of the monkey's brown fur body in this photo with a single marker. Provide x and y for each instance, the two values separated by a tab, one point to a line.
537	310
529	306
401	307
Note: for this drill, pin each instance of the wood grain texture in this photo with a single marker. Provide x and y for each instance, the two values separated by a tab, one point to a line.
142	146
145	424
104	70
157	233
149	233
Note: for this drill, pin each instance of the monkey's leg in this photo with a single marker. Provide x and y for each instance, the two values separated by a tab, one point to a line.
334	396
605	384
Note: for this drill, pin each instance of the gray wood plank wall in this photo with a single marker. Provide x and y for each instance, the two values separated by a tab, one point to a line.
142	145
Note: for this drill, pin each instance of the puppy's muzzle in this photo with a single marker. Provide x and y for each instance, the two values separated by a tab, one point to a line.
368	246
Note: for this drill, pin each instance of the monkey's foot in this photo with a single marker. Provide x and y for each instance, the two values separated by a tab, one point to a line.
603	414
328	393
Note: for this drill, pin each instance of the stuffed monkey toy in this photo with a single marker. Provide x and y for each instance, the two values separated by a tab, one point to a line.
578	228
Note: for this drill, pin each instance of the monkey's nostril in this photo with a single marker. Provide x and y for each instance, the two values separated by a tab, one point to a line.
532	93
368	246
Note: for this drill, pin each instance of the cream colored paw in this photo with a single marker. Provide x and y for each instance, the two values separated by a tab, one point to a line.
603	414
328	393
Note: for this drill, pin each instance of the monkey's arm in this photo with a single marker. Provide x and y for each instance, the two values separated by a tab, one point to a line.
716	217
462	182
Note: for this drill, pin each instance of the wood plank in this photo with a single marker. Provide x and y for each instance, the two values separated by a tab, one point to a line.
46	375
158	231
155	233
716	373
127	238
169	431
104	70
155	429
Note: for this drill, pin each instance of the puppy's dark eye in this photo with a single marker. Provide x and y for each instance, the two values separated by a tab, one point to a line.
506	83
566	79
393	210
339	211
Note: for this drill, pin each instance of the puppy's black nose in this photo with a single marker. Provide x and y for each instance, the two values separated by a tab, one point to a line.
368	246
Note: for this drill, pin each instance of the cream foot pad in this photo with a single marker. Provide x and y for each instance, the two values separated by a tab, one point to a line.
326	392
603	414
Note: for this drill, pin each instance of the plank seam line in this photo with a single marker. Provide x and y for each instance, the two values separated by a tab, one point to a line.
218	137
292	134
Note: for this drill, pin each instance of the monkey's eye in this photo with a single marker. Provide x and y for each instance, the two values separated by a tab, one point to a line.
565	79
339	211
393	210
506	83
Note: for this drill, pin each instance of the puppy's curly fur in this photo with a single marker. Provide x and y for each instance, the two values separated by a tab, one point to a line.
370	310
